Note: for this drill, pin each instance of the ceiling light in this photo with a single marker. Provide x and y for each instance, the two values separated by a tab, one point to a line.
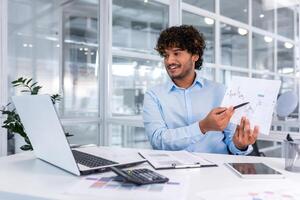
30	45
145	1
80	49
261	15
92	53
245	10
242	31
209	21
288	45
268	39
86	49
57	45
24	45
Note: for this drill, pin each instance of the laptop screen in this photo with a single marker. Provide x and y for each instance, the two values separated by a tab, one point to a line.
44	131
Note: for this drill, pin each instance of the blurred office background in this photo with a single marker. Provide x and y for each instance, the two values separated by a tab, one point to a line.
99	55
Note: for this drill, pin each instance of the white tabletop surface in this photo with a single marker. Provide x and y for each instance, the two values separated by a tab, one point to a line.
23	176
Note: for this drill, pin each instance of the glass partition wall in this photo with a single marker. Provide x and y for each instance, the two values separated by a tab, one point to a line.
99	55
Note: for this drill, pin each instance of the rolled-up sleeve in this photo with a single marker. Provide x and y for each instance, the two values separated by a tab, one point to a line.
162	137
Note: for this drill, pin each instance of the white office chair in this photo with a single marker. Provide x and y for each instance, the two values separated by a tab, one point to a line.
286	103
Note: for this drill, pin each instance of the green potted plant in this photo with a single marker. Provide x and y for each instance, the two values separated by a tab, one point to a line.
13	123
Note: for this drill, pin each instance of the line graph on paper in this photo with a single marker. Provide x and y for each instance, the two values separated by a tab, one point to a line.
262	97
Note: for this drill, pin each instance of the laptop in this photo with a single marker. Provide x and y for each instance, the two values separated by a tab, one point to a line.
45	132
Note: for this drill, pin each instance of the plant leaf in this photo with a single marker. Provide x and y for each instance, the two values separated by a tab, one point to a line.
35	90
26	147
33	84
28	81
15	81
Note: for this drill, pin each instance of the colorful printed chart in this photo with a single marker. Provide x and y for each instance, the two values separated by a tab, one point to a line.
108	187
280	191
109	183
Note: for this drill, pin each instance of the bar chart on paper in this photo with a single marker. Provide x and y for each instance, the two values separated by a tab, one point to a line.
286	191
261	95
264	195
109	188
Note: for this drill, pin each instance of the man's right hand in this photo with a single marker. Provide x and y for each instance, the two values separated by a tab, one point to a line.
216	120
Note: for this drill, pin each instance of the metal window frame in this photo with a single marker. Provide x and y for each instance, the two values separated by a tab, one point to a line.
130	121
105	60
106	53
134	121
3	72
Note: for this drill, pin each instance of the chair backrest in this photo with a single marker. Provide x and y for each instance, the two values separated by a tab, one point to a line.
256	151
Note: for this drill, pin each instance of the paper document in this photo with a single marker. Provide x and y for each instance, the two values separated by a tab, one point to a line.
261	95
174	159
105	187
283	190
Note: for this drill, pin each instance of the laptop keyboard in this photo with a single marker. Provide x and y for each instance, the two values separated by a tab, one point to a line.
91	160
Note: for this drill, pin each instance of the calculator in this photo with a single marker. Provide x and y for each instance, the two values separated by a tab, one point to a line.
140	176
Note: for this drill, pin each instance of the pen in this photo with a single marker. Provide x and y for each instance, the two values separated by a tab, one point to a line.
235	107
240	105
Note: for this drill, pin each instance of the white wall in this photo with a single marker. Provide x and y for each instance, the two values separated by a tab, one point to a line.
3	74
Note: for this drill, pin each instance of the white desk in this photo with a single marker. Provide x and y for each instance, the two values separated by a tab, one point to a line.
22	176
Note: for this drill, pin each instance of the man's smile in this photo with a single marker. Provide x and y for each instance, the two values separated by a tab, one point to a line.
173	66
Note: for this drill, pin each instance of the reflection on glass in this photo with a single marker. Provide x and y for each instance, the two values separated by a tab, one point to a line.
298	24
226	76
271	152
137	24
207	73
82	133
80	49
204	4
263	76
263	14
287	84
234	43
206	26
131	77
285	58
263	52
33	49
297	54
285	24
128	136
237	9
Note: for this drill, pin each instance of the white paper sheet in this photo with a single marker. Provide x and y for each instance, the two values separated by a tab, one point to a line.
284	190
174	159
262	95
104	187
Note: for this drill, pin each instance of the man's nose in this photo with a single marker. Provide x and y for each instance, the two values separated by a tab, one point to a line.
170	59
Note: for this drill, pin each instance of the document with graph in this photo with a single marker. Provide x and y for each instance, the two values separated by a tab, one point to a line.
261	95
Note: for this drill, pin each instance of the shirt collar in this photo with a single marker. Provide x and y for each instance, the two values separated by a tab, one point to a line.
198	81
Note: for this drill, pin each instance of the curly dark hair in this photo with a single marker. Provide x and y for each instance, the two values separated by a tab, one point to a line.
184	37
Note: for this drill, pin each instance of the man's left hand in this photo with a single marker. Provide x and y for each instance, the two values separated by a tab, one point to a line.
244	136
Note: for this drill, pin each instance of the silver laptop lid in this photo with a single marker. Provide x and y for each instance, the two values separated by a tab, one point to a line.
44	130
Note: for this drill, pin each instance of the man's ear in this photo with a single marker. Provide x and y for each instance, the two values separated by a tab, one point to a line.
195	57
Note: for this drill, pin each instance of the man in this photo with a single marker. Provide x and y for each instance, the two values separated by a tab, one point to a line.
184	113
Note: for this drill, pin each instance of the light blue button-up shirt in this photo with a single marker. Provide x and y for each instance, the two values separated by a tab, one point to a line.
172	114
